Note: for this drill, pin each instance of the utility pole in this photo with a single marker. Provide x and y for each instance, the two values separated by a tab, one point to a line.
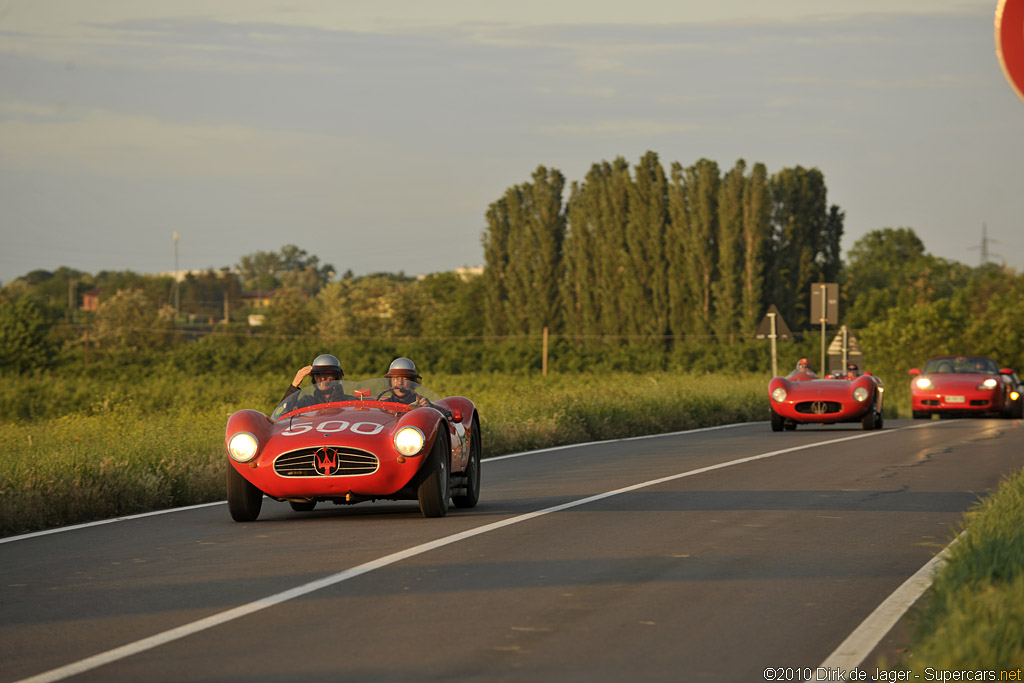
177	303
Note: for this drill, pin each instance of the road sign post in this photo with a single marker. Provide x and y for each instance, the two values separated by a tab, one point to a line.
773	327
824	309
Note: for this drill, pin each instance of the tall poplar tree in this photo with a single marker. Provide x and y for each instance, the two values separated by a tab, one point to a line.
697	214
644	285
756	239
496	258
806	240
727	287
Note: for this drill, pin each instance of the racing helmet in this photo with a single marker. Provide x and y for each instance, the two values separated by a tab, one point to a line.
403	367
325	364
803	361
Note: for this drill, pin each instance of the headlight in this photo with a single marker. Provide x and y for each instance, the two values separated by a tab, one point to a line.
409	440
779	394
924	383
1014	395
988	384
860	394
243	446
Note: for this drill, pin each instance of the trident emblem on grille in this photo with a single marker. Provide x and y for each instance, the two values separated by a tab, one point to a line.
819	407
326	461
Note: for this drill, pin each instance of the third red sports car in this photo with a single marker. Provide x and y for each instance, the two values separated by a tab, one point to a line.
962	385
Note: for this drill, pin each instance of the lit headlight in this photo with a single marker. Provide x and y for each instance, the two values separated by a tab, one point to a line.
860	394
243	446
988	384
924	383
779	394
409	440
1014	395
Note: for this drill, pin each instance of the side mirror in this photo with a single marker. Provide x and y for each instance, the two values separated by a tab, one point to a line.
1006	371
914	372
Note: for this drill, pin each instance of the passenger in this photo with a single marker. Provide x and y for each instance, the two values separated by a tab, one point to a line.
402	382
803	370
326	374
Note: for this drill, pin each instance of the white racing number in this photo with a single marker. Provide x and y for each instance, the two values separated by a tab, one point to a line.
334	426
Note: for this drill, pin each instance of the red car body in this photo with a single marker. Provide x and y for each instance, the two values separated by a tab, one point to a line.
803	399
347	451
963	385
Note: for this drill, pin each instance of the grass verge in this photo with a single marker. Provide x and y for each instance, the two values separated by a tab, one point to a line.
160	444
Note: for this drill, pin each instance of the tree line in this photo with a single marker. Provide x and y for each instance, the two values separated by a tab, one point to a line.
644	253
632	268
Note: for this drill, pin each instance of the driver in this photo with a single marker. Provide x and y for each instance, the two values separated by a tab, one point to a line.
852	370
326	374
803	370
402	382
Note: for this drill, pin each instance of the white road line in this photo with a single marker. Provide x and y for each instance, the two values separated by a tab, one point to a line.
86	525
852	652
138	646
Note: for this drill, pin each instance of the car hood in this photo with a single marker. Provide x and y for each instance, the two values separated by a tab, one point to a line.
959	381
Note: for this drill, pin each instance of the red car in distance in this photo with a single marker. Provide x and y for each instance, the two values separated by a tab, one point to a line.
950	386
806	399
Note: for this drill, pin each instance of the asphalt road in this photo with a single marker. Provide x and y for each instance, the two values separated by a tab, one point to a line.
706	555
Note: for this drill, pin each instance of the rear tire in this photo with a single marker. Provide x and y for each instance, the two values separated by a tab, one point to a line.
472	474
244	499
434	491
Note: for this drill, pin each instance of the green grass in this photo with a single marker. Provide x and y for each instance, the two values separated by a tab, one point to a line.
158	442
973	617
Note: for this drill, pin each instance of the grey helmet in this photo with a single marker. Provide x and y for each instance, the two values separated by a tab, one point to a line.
403	367
326	363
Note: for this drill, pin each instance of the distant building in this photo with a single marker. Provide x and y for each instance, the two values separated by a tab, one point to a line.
91	299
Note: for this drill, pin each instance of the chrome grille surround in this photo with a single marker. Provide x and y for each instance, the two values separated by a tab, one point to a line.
351	462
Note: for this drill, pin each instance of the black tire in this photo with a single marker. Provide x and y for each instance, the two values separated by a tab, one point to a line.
870	419
880	422
302	506
244	499
777	422
434	491
790	426
472	475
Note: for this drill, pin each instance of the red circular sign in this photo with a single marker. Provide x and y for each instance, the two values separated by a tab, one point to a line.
1010	42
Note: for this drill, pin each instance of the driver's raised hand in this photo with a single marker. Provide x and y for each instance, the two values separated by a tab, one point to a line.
301	375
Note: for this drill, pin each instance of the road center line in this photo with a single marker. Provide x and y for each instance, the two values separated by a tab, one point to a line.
209	622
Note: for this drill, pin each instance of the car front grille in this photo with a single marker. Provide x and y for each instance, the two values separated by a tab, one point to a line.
819	407
326	461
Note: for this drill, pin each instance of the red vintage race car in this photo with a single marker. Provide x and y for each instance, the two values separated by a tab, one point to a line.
357	441
963	385
805	399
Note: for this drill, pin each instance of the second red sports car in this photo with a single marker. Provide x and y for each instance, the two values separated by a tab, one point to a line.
963	385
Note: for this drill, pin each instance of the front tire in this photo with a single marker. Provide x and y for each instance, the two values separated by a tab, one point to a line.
434	491
472	475
870	419
777	422
244	499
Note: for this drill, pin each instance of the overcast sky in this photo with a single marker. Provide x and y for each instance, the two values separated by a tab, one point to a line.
375	134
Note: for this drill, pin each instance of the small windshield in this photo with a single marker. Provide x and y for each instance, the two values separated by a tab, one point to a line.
961	364
397	392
